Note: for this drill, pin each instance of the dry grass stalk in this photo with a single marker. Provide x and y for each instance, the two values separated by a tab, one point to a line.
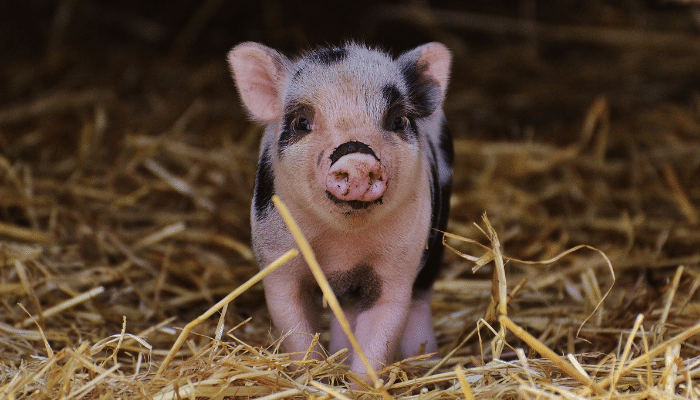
669	301
499	284
466	388
29	235
686	206
223	302
49	312
648	356
549	354
499	289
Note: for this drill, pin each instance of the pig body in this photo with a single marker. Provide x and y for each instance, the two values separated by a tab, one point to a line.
357	146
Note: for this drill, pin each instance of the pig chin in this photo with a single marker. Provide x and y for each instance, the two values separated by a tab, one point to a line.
353	204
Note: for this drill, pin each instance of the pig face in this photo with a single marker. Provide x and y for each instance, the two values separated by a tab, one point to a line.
342	127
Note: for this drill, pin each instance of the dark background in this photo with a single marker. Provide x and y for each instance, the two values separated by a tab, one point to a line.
507	77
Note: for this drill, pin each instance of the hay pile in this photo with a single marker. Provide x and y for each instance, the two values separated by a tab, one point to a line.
124	199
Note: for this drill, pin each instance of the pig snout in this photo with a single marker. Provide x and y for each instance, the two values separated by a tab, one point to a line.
357	177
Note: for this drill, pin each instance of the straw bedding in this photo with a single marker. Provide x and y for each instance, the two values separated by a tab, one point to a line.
572	268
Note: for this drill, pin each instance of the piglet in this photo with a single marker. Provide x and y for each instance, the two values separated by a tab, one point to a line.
357	146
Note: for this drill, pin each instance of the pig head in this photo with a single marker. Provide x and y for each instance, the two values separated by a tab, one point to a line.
357	146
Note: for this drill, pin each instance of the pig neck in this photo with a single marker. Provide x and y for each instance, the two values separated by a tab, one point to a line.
375	241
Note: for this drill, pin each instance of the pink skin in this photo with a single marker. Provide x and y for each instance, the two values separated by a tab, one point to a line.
357	177
418	336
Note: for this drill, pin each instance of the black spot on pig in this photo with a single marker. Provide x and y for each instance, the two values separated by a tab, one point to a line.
446	145
396	118
311	299
432	256
391	94
349	148
298	73
296	124
423	92
359	287
264	185
329	56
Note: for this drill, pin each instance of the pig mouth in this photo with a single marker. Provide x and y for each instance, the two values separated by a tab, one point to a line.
354	204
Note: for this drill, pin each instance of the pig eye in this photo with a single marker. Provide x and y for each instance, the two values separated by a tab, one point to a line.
399	123
301	125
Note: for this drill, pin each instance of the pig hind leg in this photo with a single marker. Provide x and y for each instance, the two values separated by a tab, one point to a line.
419	335
380	329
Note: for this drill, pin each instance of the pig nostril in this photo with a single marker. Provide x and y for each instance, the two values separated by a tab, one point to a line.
357	177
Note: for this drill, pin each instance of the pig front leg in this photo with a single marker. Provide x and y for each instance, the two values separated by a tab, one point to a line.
293	311
379	329
339	340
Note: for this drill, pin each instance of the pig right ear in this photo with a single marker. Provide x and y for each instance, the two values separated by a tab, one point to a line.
259	73
427	72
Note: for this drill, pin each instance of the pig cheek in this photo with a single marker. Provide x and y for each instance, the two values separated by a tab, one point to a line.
296	174
310	172
322	172
404	170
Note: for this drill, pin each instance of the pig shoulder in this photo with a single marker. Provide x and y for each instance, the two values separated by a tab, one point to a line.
441	161
264	187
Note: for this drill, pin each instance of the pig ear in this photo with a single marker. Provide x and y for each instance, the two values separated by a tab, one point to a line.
425	67
259	72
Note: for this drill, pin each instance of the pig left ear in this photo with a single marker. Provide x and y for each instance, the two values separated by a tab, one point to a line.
427	66
259	72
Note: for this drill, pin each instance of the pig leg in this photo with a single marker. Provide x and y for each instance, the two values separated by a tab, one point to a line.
339	339
293	313
419	336
380	328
